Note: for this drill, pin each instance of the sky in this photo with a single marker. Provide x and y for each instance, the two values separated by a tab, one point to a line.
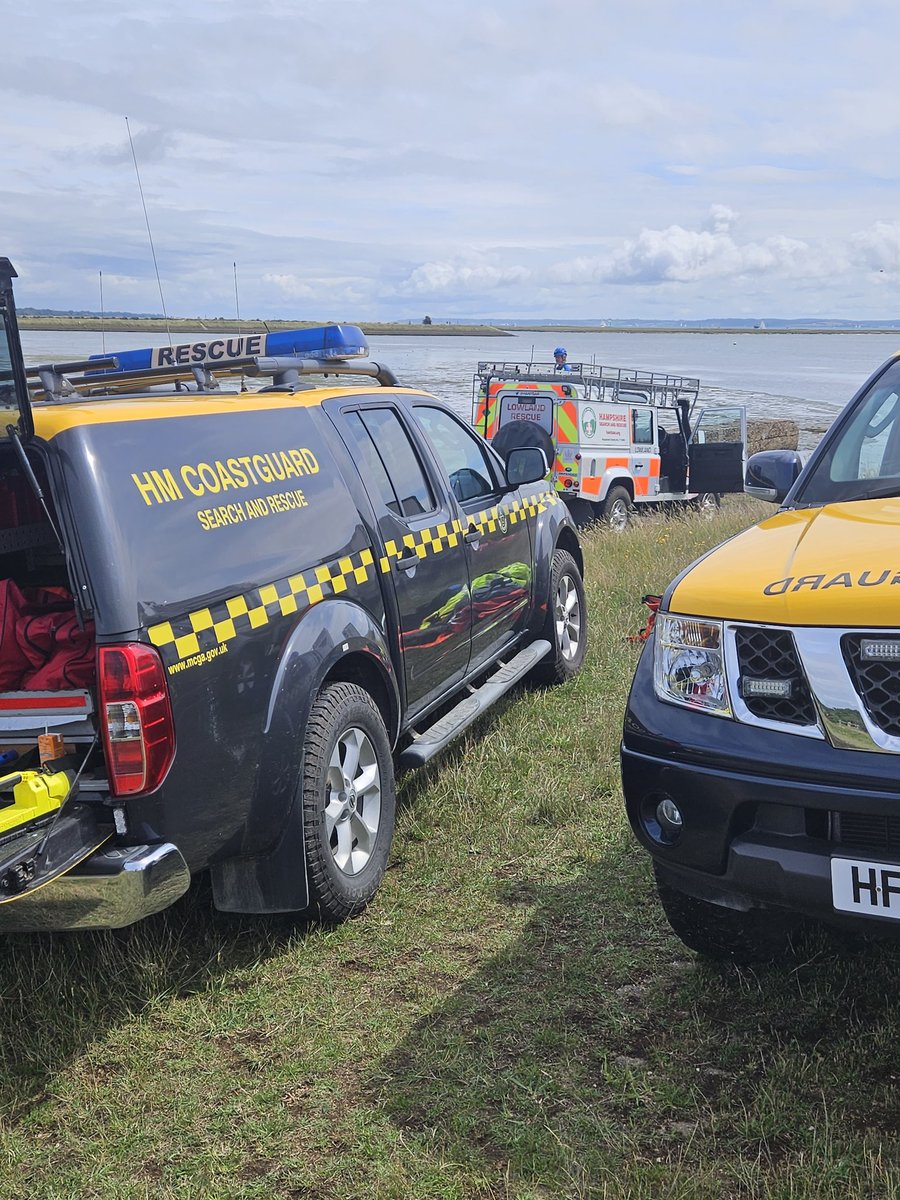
499	159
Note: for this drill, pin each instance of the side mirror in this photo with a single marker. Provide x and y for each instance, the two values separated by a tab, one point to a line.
525	464
771	474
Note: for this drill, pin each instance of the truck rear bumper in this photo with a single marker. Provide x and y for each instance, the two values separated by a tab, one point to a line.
115	886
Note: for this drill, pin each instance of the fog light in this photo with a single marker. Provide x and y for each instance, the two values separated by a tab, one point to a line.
669	815
661	818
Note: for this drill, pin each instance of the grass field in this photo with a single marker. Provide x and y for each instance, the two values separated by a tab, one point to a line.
511	1018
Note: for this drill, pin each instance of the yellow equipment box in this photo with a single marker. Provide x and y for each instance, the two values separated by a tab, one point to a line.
27	795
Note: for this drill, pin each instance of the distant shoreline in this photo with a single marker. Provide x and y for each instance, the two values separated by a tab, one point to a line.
226	326
219	326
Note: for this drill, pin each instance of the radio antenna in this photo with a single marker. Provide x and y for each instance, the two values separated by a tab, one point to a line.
149	234
102	318
237	309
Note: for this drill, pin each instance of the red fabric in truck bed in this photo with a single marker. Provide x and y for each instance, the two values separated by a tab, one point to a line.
42	647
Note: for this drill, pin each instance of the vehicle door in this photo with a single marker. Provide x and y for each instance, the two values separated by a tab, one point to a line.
644	456
496	539
422	553
15	402
718	450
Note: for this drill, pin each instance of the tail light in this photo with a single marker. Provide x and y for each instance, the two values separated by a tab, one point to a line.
138	730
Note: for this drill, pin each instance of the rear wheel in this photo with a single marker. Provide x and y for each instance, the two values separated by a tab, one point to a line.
348	801
565	627
617	509
726	934
707	504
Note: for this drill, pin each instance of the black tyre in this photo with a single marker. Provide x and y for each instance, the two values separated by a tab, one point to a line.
618	509
707	504
349	804
726	934
523	433
566	624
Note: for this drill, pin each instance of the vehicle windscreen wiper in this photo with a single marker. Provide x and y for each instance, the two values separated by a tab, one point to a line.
880	491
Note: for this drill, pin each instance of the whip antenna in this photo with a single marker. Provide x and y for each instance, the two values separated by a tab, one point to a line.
149	234
102	318
237	309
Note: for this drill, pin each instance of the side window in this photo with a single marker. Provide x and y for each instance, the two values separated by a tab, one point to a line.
460	453
641	426
411	494
370	465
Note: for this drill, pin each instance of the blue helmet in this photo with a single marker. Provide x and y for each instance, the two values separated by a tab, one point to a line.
559	350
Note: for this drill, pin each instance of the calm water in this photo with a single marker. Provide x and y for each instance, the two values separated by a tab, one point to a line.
805	377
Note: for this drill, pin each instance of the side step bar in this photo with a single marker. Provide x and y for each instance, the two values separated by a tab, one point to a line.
433	740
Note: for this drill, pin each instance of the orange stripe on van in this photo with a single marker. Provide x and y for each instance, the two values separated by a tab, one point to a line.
591	485
641	485
616	462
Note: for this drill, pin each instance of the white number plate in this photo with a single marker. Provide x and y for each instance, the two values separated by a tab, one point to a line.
870	889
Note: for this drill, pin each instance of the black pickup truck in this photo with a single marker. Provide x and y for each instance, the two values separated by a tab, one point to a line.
257	602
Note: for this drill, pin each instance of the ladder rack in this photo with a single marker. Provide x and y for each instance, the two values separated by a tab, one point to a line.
605	384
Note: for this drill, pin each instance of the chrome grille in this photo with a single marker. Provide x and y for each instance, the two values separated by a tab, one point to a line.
771	654
877	683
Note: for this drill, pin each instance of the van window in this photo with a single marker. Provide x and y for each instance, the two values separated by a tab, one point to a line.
460	453
407	476
641	426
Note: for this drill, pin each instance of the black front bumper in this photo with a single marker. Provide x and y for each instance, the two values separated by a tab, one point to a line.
763	811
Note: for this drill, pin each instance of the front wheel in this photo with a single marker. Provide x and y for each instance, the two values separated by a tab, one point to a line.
566	624
617	509
725	934
349	802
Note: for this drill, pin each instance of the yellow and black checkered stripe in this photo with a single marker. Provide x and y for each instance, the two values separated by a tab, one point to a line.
215	626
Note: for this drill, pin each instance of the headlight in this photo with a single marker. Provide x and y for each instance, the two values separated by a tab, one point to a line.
689	664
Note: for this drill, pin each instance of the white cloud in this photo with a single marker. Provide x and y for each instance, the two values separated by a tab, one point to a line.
448	278
878	248
523	157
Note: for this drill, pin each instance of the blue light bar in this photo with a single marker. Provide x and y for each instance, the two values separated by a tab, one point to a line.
326	342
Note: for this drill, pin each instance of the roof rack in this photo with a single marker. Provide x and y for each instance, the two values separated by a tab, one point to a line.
298	353
602	383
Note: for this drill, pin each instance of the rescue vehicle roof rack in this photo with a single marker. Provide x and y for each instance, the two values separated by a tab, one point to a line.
609	382
285	356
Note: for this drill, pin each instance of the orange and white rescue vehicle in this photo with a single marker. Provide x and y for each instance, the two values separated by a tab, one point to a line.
616	439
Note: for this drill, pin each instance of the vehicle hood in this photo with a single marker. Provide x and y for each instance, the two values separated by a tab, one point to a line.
838	565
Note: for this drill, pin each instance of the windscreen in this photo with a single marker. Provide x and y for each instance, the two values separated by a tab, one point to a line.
862	459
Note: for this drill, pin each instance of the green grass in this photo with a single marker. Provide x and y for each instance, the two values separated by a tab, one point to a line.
511	1018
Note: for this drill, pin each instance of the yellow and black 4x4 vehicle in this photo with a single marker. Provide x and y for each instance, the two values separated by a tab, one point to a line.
224	614
761	750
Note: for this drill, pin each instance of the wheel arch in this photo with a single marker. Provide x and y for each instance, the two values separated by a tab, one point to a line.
336	641
367	672
568	541
614	479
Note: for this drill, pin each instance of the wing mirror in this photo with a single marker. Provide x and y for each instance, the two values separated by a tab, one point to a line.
771	474
525	464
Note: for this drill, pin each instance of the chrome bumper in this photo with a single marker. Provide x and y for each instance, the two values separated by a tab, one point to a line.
114	887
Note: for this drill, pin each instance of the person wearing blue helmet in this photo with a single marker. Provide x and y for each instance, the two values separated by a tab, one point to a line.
559	355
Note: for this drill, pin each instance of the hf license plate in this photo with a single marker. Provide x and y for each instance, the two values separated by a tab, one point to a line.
870	889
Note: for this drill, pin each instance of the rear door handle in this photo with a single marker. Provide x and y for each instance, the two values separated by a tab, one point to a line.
411	560
473	534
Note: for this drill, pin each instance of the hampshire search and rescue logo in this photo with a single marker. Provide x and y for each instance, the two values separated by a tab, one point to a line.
588	422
